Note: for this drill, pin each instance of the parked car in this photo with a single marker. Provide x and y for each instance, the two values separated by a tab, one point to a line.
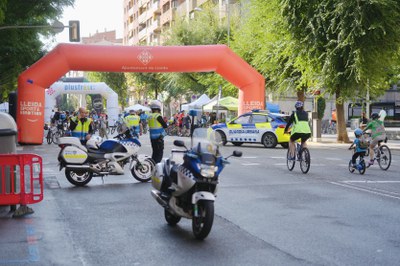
257	126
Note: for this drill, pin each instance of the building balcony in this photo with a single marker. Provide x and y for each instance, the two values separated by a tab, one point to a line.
156	8
167	16
155	26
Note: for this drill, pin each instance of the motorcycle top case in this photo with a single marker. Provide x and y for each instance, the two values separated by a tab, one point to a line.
74	155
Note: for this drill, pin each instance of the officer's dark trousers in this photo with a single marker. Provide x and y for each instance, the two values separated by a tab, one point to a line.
158	148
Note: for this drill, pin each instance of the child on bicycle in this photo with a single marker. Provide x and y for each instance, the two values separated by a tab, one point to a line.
361	146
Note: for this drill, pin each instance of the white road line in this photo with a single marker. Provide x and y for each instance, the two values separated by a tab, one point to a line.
365	190
277	157
249	164
249	157
371	181
334	159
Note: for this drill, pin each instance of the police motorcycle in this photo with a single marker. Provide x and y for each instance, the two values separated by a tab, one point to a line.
189	189
101	158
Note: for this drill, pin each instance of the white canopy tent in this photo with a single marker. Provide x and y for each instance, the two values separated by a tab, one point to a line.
137	107
196	105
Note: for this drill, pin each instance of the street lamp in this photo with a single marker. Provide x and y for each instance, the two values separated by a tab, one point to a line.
57	27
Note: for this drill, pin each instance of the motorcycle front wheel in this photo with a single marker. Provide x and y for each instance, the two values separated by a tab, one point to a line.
78	177
142	170
171	218
201	225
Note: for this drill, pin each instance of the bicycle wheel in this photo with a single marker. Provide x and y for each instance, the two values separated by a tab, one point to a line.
351	168
305	160
56	136
385	157
290	162
361	167
49	137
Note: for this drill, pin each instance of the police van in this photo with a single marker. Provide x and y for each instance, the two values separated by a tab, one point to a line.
257	126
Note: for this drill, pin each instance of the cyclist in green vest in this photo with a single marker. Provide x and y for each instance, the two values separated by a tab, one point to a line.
378	133
157	127
300	128
132	121
81	126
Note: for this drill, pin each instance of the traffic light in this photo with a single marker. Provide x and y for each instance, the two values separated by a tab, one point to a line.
74	34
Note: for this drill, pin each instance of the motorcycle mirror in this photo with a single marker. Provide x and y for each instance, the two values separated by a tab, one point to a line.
179	143
237	153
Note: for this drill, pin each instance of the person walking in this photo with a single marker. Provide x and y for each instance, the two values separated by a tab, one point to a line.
132	121
157	131
81	126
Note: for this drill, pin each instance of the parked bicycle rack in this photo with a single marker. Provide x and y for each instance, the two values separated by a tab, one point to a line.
21	179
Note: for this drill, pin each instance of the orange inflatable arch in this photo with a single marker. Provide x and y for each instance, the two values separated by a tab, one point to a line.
66	57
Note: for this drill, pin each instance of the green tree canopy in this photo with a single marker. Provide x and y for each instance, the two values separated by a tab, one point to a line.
20	48
352	44
116	81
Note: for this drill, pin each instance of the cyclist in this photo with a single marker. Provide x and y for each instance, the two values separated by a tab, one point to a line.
361	146
377	134
300	129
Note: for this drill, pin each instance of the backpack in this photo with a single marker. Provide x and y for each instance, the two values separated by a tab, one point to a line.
364	142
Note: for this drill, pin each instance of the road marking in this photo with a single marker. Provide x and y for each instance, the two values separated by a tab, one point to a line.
249	164
333	159
249	157
383	193
277	157
371	181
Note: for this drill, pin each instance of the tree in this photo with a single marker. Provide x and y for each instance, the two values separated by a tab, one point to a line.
352	44
20	48
116	81
193	32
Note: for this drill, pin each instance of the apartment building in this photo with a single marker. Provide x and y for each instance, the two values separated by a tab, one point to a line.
102	38
144	20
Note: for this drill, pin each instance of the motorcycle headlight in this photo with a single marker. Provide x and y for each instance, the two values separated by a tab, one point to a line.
208	170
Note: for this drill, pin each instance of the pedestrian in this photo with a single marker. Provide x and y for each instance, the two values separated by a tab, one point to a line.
157	131
103	127
132	121
81	126
363	120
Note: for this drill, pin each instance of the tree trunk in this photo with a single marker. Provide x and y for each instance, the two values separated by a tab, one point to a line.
301	96
341	121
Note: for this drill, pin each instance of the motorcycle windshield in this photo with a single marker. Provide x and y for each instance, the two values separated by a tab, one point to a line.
205	142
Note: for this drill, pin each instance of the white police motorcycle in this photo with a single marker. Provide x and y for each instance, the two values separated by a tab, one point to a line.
101	158
188	189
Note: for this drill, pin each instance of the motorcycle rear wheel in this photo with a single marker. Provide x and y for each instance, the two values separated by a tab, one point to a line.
143	171
171	218
202	224
78	178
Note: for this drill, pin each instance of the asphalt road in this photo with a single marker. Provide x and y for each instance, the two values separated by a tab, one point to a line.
265	215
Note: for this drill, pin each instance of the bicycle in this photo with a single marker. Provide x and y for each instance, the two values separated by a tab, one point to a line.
50	133
360	164
303	156
383	155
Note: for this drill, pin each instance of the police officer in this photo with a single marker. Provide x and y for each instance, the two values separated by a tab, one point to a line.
300	129
81	126
132	121
157	127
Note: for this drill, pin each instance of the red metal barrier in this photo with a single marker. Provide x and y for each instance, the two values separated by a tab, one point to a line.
21	179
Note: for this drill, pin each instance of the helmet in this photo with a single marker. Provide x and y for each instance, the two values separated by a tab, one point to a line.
131	111
299	104
155	105
358	132
94	142
375	116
